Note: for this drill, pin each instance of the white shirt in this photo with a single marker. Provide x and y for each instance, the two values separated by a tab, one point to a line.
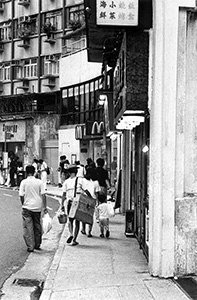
69	186
102	211
32	189
92	186
80	171
43	166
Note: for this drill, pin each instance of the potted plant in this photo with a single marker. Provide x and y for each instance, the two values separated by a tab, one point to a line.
75	24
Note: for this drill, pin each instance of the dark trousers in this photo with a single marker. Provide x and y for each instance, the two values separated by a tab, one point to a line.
12	179
32	229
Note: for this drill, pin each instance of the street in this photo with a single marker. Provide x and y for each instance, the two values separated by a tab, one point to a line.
13	252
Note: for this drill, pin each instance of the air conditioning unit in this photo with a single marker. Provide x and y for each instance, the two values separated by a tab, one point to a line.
23	19
25	44
24	2
2	6
25	85
51	80
50	58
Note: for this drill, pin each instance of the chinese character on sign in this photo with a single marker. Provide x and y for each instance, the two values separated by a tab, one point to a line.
121	16
103	15
117	12
112	15
103	4
112	5
122	5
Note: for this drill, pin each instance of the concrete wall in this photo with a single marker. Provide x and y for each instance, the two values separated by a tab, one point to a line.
42	127
164	152
75	69
68	145
186	160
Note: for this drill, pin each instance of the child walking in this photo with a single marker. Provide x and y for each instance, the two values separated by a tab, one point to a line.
102	215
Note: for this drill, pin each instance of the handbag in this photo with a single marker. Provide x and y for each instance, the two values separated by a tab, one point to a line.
46	223
85	209
82	208
62	218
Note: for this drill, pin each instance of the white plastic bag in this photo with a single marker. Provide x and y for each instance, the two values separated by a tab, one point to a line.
46	223
110	208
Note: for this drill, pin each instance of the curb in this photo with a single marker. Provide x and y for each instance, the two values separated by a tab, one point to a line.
50	278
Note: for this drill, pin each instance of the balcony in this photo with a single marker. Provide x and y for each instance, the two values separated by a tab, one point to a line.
24	2
74	46
24	104
51	80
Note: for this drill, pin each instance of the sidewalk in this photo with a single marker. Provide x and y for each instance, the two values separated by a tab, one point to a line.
100	268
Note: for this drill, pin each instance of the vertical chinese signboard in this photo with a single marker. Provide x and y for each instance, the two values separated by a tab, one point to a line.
117	12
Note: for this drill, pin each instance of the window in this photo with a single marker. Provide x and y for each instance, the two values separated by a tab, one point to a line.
26	68
54	19
25	25
76	16
79	103
51	65
5	71
30	68
5	31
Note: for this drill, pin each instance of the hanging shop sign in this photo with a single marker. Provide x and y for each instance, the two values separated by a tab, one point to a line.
79	132
12	131
94	129
117	12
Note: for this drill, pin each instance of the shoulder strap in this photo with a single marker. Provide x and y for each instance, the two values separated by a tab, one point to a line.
75	189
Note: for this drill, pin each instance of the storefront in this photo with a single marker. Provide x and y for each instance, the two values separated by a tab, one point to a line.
132	119
13	138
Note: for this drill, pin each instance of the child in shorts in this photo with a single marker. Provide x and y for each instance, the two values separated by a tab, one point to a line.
102	215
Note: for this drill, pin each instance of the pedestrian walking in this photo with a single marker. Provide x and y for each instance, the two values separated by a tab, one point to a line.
103	177
35	164
90	164
68	195
33	200
102	216
43	172
63	169
1	171
13	171
20	172
91	184
80	170
114	171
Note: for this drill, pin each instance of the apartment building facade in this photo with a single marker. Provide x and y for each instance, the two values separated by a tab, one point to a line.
37	42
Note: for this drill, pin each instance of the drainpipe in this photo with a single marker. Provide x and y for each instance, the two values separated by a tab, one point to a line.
39	46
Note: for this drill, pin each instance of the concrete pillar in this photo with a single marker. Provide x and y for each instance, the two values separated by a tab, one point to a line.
163	132
186	161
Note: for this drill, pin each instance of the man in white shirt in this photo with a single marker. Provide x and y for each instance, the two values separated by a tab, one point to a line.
33	199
